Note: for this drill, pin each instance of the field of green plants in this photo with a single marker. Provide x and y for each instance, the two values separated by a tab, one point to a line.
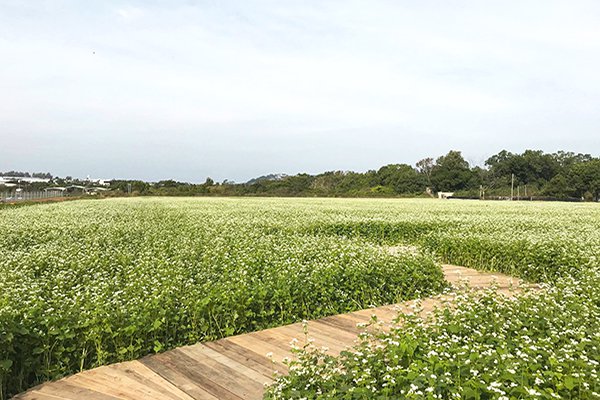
538	345
87	283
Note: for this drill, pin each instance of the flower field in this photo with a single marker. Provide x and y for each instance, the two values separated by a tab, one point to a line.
534	241
537	345
87	283
540	345
93	282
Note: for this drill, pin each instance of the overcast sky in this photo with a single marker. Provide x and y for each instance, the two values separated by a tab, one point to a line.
237	89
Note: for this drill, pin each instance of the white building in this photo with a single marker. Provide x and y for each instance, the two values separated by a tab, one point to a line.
4	180
101	182
445	195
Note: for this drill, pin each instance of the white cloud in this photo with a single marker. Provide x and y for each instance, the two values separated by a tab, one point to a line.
129	13
217	74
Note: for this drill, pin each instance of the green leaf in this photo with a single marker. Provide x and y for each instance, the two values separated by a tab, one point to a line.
569	382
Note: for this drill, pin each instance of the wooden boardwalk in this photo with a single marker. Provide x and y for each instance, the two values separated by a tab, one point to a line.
236	367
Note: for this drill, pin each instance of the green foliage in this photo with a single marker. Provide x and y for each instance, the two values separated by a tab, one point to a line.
86	283
535	241
585	178
538	345
451	173
558	176
542	345
402	178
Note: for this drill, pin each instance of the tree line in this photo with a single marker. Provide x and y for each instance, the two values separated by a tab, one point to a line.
22	174
533	173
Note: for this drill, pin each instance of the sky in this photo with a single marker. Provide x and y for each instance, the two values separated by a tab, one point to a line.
237	89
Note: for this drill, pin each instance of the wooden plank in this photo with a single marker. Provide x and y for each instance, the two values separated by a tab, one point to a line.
70	391
350	319
382	315
343	336
254	343
284	334
151	389
277	343
35	395
149	377
340	323
210	356
244	356
355	318
197	373
360	316
161	366
282	338
218	379
117	383
333	338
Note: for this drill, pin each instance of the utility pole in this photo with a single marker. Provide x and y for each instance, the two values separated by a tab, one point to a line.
512	186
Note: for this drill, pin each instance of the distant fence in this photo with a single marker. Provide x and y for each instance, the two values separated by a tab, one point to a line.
29	195
520	198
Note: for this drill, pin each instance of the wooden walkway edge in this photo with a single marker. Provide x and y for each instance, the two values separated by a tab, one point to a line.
236	367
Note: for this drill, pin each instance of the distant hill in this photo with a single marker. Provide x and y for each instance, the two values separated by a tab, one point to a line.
270	177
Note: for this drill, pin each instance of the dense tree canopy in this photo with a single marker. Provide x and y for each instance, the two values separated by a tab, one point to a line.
560	175
21	174
451	173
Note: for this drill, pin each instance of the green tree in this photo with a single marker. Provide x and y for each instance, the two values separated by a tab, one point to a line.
585	178
533	167
558	187
451	173
402	178
425	167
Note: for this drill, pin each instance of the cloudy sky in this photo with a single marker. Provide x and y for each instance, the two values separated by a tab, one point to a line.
236	89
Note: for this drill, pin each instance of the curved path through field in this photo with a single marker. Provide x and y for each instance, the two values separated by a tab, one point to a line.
236	367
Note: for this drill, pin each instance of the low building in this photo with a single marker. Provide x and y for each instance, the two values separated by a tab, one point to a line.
21	179
445	195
